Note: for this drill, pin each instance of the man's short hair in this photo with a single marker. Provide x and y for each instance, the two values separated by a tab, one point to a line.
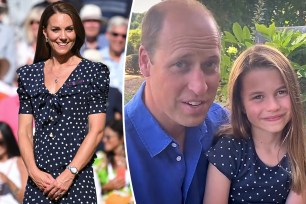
117	21
153	21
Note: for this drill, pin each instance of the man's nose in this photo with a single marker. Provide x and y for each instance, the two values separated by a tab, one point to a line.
197	82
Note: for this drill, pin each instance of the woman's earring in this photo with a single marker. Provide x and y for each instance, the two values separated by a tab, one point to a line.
47	40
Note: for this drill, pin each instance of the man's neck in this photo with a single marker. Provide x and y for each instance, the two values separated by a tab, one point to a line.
171	127
114	55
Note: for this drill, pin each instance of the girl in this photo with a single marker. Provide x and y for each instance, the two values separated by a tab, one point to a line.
260	158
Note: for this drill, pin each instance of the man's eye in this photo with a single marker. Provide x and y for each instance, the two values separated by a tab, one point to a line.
210	67
181	64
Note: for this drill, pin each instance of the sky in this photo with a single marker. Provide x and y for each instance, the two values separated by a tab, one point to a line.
140	6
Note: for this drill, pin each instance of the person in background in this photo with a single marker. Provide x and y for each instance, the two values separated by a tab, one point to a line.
116	35
93	22
7	46
13	174
113	7
111	166
261	156
6	90
170	122
26	47
65	95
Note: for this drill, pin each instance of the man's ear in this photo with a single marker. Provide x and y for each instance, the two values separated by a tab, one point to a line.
144	61
107	35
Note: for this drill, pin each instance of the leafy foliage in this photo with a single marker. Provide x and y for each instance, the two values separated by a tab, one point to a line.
249	12
290	42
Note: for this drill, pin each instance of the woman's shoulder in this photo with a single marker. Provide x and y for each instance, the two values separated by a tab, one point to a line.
93	67
30	69
94	70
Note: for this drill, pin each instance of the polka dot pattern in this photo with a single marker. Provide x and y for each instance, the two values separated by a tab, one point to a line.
61	121
251	180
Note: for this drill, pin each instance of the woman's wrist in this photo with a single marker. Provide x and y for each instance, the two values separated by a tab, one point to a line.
33	171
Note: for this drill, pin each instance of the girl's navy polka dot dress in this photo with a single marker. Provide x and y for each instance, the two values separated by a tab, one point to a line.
61	123
252	181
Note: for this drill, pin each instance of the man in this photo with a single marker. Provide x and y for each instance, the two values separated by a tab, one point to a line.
113	54
93	21
171	120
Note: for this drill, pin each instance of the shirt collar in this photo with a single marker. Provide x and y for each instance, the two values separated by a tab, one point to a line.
154	138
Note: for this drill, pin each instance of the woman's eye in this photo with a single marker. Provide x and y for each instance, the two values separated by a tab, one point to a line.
258	97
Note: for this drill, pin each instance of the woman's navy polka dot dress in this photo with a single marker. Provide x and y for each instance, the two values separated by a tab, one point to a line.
61	123
252	181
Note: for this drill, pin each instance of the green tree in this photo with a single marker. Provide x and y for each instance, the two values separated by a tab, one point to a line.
134	39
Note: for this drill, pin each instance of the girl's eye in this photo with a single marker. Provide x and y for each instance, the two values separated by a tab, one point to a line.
282	92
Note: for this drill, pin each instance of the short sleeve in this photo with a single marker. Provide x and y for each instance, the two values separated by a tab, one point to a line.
98	90
225	155
24	98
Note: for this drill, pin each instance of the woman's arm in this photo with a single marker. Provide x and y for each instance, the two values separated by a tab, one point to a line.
294	198
82	157
217	187
25	140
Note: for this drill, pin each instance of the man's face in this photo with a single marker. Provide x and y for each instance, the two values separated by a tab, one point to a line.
92	28
184	70
117	37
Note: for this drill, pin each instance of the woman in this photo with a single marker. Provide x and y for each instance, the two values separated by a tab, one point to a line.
111	166
13	174
64	94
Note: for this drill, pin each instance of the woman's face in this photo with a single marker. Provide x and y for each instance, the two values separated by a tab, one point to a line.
111	140
61	34
3	148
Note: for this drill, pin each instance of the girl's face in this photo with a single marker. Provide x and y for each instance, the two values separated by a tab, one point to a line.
266	101
3	148
61	34
111	140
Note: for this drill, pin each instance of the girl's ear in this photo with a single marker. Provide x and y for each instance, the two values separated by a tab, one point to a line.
144	61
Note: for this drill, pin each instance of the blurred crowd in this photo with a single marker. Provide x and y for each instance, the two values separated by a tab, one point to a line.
106	24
